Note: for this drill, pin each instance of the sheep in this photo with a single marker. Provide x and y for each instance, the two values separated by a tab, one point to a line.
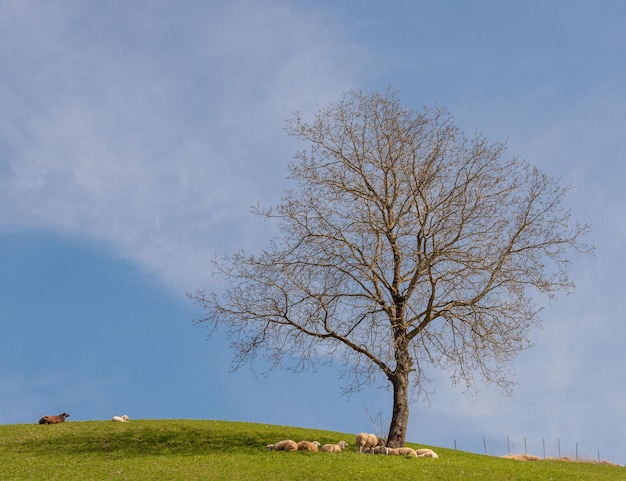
368	442
391	451
401	452
286	445
54	419
121	419
414	453
523	457
426	453
308	446
334	448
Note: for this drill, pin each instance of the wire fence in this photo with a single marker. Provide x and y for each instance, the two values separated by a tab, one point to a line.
546	450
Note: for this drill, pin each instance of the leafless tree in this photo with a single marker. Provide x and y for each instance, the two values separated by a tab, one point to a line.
405	247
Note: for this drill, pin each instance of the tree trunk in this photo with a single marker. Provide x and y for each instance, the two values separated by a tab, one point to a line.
400	418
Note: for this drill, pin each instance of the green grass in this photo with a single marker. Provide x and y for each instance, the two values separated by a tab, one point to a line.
218	450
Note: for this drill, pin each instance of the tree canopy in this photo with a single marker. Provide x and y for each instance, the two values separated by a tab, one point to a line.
404	247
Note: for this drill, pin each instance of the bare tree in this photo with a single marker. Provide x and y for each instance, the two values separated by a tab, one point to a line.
405	247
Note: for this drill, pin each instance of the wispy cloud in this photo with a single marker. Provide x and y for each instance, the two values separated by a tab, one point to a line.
157	152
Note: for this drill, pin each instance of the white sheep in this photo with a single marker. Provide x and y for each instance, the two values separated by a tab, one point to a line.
121	419
334	448
401	452
414	453
426	453
286	445
368	442
308	446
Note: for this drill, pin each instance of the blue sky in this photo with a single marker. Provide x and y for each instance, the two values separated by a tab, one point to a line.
135	135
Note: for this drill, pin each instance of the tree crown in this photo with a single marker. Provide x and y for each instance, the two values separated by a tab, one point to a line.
405	246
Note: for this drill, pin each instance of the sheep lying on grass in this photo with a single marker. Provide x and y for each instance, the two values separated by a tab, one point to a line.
121	419
308	446
414	453
334	448
523	457
54	419
367	442
426	453
286	445
401	452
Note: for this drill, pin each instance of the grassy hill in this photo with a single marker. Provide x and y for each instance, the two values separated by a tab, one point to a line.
218	450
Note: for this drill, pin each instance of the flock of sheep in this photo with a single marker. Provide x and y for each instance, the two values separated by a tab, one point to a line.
61	419
365	443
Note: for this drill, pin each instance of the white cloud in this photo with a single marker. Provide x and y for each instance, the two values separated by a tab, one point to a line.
153	130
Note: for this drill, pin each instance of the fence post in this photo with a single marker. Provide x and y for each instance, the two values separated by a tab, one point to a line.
508	444
544	448
485	444
558	441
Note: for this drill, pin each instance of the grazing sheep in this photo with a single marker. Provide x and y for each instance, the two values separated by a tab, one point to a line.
54	419
426	453
308	446
368	442
121	419
334	448
286	445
